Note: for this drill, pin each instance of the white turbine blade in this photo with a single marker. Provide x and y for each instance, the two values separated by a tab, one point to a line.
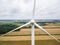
46	32
32	35
17	28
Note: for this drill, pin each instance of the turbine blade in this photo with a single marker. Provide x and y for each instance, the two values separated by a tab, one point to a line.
17	28
32	35
46	32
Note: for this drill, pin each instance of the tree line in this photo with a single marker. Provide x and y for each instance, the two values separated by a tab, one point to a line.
4	28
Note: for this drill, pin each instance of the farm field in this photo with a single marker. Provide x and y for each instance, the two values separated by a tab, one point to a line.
27	31
23	37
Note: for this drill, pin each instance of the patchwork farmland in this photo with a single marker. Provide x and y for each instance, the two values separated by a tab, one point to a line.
23	36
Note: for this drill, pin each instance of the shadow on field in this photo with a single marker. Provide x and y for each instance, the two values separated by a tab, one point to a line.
37	42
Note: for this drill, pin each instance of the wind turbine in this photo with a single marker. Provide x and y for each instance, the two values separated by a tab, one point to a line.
33	24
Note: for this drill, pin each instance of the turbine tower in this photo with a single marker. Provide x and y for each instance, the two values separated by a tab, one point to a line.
33	24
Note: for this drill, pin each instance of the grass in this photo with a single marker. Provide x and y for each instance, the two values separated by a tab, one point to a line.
10	23
57	24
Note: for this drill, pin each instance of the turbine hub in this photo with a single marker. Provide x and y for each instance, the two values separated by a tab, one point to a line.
32	21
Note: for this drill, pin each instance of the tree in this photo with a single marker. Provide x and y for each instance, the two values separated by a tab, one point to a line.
6	28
